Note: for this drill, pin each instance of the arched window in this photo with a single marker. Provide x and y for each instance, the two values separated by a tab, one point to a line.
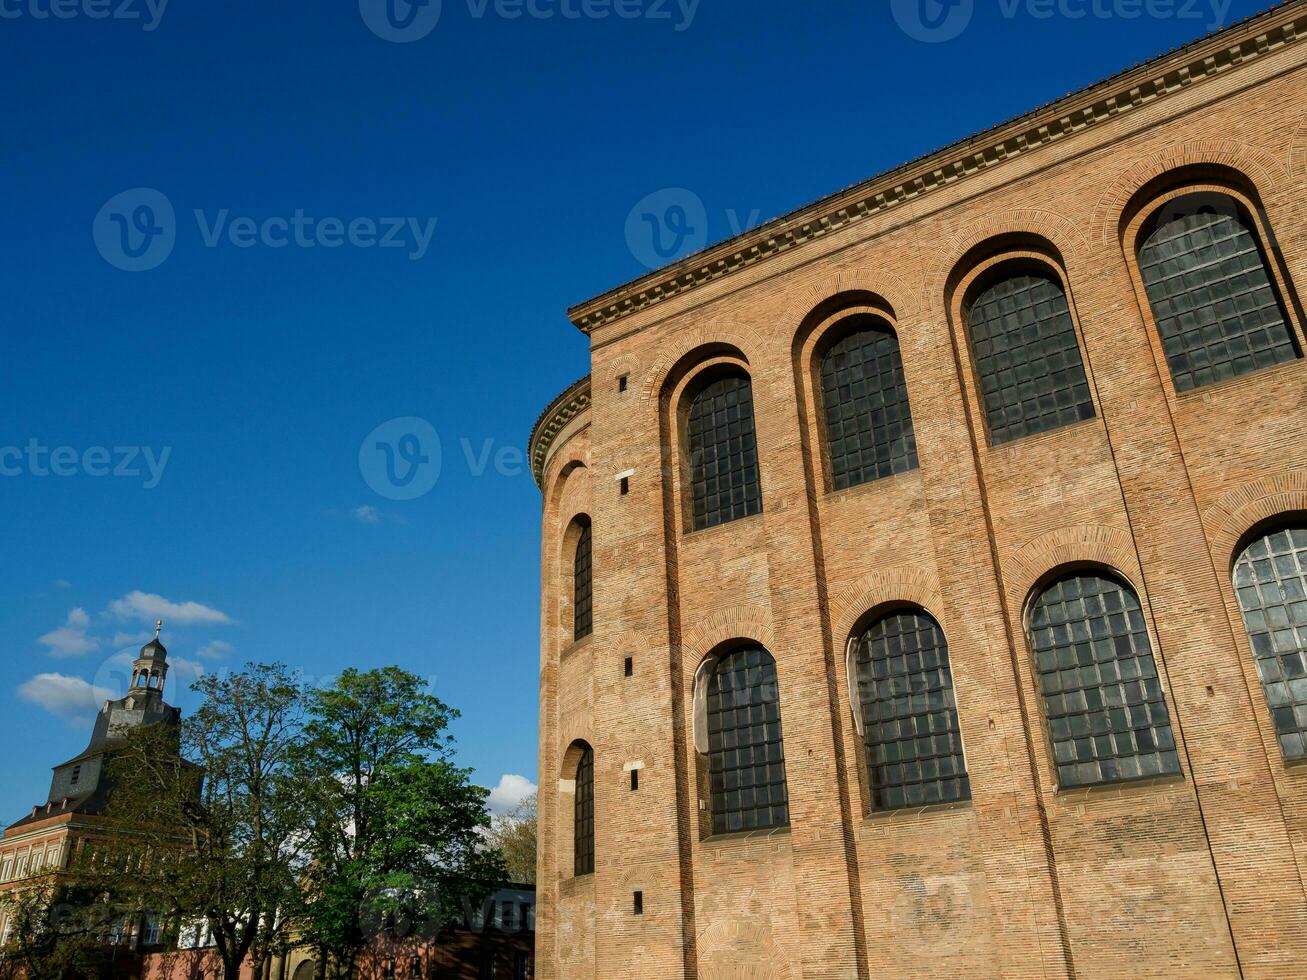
746	756
583	832
1102	696
909	718
868	420
1027	357
723	453
1216	308
582	599
1270	579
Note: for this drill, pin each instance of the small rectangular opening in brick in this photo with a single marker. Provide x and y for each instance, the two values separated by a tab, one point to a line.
639	903
621	382
626	485
629	666
635	779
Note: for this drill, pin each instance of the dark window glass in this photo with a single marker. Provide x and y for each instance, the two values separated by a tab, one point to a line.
1216	308
723	454
868	421
909	717
584	832
746	758
1102	696
1270	579
582	606
521	965
1027	358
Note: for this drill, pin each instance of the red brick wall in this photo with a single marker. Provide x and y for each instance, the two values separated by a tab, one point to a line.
1199	875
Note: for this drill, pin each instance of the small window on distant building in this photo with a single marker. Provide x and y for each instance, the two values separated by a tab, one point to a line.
1270	579
723	454
584	828
909	716
77	774
746	754
582	607
1103	699
1216	306
1032	378
868	421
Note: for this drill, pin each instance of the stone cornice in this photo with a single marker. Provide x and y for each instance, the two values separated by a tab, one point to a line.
561	411
1142	85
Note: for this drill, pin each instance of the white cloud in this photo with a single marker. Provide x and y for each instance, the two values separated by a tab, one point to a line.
511	791
148	606
71	639
63	696
214	650
62	583
367	514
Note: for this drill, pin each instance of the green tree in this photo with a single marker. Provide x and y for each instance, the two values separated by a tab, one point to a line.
55	928
398	828
223	799
514	836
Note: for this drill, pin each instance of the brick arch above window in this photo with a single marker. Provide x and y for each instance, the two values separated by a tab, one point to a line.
879	589
855	286
1058	236
1240	511
684	352
1030	565
1257	166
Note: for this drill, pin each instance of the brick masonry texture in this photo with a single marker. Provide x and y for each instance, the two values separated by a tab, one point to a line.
1199	874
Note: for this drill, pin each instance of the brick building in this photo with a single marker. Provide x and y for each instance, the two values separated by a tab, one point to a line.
49	839
924	573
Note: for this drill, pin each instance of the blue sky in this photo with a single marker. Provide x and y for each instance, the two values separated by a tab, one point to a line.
232	385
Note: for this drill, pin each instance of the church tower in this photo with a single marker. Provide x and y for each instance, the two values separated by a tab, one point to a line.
81	785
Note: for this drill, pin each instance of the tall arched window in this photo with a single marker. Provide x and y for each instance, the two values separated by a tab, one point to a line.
1216	308
868	421
746	755
1102	696
723	453
1270	579
583	828
909	717
582	597
1032	378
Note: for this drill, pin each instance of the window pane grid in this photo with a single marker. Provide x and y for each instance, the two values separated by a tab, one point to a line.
1028	360
582	606
584	833
1270	580
1216	309
746	757
909	716
868	420
723	453
1102	695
